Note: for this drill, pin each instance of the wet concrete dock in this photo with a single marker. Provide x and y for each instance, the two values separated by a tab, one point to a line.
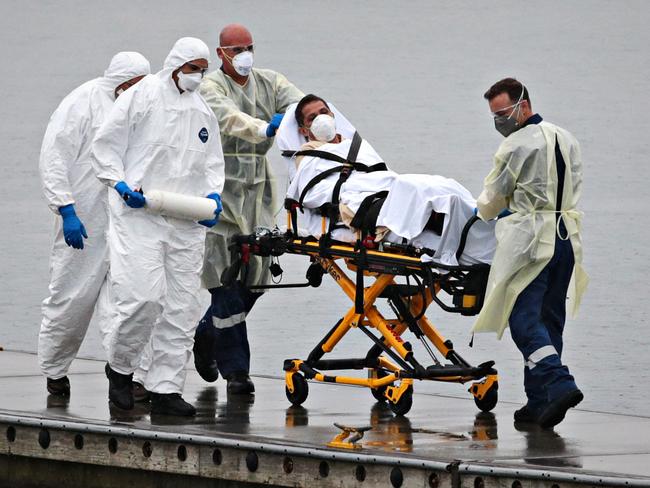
443	441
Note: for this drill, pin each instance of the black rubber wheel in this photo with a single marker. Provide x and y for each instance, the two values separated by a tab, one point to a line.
404	404
300	390
378	393
489	400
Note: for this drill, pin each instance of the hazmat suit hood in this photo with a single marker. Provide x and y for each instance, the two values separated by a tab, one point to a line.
184	50
125	66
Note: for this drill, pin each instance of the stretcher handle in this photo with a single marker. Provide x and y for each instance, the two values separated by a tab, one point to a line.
463	236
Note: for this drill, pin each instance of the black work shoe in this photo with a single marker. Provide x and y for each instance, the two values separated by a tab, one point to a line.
204	361
59	387
554	413
240	383
140	393
171	404
120	388
526	415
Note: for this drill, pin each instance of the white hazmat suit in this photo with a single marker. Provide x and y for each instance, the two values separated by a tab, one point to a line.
77	276
158	138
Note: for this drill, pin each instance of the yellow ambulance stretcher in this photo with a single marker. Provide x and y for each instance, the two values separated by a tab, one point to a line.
398	274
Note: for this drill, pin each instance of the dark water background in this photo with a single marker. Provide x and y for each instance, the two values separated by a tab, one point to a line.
410	75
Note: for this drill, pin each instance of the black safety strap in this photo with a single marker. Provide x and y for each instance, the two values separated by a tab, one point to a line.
317	179
354	148
364	218
361	260
321	154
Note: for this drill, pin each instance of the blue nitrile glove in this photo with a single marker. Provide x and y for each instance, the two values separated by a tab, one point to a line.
212	222
73	230
273	125
504	213
133	199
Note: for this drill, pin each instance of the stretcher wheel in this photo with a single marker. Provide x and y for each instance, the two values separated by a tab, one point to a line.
378	393
489	400
300	390
404	404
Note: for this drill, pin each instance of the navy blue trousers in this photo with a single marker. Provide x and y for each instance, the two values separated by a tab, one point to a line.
223	328
536	325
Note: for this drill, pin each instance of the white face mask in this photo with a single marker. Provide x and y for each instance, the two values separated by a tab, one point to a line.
243	63
323	128
189	82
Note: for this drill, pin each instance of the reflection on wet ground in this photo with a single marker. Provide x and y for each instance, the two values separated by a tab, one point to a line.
442	428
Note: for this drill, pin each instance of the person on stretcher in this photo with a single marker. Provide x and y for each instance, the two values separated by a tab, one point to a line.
423	210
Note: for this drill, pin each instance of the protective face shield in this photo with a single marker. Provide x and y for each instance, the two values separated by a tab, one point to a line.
189	81
507	124
243	63
323	128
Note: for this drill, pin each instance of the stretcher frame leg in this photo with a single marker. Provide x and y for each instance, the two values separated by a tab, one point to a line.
396	381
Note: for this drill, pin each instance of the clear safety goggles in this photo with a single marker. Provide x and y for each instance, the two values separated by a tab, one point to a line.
239	49
504	111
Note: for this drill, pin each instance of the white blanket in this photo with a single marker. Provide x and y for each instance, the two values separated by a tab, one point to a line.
405	212
411	200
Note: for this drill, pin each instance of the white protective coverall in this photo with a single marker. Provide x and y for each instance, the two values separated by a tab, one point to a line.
67	177
249	194
525	181
155	138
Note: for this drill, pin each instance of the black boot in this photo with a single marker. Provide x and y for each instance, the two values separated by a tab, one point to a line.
204	345
59	387
555	411
239	383
526	415
171	404
120	388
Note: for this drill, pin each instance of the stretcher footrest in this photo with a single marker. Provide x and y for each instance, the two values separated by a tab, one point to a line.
332	364
401	290
450	370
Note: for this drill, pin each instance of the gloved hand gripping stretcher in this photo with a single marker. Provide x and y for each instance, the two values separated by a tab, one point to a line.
405	276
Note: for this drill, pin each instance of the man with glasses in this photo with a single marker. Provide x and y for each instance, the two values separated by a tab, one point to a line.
160	135
534	187
249	104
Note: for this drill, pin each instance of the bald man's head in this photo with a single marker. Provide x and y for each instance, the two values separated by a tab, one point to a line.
235	35
235	40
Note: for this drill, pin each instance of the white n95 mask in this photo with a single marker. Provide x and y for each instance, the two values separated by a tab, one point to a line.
323	128
189	81
243	63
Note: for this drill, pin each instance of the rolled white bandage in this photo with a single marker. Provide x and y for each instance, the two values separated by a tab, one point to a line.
180	206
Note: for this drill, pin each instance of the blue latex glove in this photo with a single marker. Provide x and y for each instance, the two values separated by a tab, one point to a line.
273	125
133	199
73	230
504	213
212	222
